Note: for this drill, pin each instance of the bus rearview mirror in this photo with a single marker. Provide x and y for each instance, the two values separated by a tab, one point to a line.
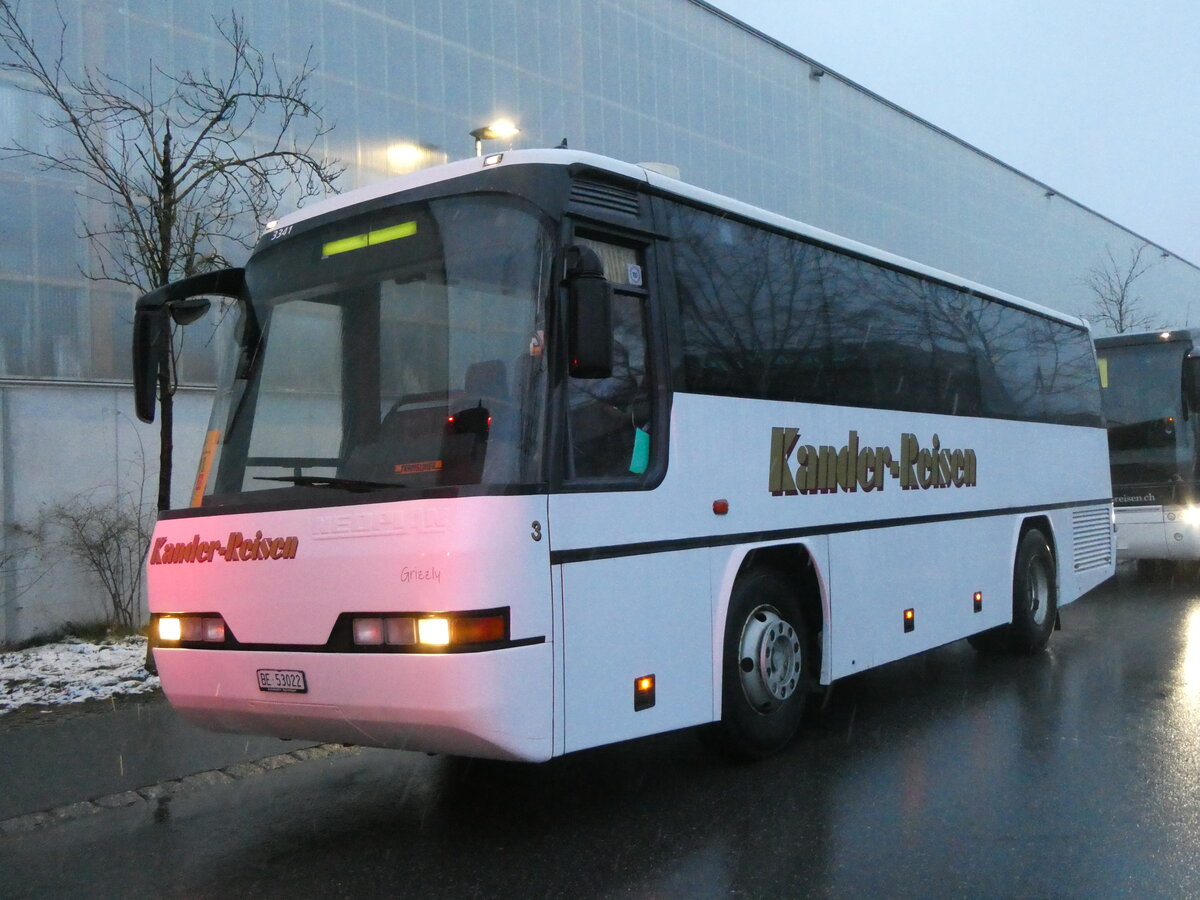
589	315
180	302
149	331
187	311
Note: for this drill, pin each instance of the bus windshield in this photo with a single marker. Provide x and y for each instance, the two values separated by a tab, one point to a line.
1143	403
400	348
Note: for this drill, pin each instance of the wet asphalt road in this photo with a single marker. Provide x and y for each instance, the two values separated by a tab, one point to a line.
1071	774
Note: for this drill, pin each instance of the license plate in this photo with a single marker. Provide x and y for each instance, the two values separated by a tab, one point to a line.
287	681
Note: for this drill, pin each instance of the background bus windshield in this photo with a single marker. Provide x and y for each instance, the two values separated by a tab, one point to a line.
1149	432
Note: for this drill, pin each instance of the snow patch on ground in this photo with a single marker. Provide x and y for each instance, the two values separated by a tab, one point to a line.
72	670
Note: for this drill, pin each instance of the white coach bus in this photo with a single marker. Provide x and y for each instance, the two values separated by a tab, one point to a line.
1150	389
540	451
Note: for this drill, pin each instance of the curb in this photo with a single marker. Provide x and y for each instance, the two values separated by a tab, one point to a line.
160	794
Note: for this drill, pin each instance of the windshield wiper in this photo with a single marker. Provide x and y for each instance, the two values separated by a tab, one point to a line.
344	484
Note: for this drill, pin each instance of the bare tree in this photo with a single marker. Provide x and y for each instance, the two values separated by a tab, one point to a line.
183	168
20	570
107	531
109	539
1115	304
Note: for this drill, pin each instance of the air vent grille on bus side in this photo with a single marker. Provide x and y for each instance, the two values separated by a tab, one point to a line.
1093	538
606	196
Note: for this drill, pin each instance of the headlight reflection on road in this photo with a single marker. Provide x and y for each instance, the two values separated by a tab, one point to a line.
1176	733
1190	664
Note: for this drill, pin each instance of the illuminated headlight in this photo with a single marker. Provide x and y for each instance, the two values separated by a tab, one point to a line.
169	629
185	628
1191	515
430	630
433	631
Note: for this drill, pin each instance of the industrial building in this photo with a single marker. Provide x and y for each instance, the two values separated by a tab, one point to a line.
405	83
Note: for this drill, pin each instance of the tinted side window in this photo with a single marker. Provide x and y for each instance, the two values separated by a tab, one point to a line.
754	323
769	316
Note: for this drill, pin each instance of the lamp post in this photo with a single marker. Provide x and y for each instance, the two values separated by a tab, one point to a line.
496	131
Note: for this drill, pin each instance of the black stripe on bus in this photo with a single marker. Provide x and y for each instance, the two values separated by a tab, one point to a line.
645	548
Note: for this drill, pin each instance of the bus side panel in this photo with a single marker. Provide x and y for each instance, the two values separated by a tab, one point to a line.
1085	547
941	574
626	618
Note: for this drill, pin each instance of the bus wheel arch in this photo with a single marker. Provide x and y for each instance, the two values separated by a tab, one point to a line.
797	564
770	657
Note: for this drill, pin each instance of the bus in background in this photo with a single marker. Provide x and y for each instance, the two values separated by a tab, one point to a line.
540	451
1149	389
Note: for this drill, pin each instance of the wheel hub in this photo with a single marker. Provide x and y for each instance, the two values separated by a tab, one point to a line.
1037	590
771	659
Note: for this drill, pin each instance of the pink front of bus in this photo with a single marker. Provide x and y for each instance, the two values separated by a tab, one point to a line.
423	625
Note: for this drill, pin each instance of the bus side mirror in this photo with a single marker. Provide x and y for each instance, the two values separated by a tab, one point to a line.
150	330
185	312
589	315
180	302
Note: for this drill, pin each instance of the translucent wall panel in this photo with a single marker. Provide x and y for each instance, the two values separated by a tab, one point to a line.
404	81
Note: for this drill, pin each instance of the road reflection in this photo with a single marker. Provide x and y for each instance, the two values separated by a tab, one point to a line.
1071	773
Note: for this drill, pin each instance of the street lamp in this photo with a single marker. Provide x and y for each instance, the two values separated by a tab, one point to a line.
496	131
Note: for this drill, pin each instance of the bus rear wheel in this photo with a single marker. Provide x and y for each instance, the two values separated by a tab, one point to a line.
1035	593
767	666
1035	601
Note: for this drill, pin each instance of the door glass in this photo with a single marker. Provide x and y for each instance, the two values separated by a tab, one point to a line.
610	417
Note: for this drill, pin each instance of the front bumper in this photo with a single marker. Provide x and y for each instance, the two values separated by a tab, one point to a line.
1156	532
495	703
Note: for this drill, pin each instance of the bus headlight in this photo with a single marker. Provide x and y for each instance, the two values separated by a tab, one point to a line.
433	631
1191	515
182	628
169	628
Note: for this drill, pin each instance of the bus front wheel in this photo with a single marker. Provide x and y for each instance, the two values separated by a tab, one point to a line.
1035	593
767	666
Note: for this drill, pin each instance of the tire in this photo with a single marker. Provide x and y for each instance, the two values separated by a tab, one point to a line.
767	667
1035	594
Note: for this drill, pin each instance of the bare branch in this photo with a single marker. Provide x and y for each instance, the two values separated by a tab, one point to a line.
182	165
178	170
1116	306
109	539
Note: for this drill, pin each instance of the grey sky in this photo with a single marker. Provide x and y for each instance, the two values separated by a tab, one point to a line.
1098	98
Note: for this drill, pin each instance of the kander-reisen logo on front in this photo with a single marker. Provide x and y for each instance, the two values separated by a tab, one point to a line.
238	548
798	468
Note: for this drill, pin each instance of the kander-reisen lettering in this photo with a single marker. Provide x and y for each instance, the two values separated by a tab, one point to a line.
237	548
825	469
